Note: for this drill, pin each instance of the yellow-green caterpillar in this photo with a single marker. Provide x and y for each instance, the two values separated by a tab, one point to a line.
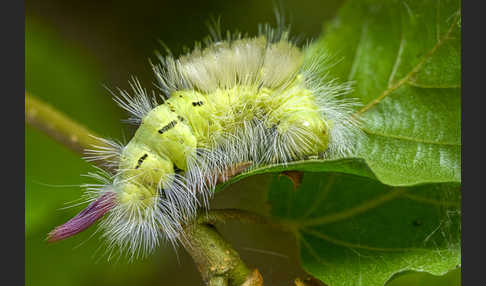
240	99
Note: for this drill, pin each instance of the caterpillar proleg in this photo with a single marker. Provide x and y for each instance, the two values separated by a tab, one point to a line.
236	99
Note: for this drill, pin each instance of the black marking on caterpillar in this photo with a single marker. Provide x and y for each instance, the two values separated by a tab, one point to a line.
176	169
140	161
167	127
171	108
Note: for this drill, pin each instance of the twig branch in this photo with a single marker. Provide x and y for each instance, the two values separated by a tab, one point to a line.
215	259
60	127
57	125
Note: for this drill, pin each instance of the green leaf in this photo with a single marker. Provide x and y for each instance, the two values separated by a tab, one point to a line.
396	207
356	231
404	60
452	278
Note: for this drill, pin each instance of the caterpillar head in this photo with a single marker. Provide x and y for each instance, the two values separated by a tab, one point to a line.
150	202
136	197
141	216
135	219
140	204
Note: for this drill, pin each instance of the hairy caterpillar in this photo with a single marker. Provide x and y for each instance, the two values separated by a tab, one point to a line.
236	99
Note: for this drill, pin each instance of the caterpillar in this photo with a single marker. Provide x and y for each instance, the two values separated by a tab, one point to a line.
234	99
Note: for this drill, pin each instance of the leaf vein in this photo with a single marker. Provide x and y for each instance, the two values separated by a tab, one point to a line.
405	79
431	201
392	194
397	61
322	195
406	138
311	250
354	66
420	85
361	246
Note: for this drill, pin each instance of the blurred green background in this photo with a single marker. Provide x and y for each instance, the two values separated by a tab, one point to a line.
73	48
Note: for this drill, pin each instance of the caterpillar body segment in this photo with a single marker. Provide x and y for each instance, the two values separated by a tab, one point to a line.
255	100
171	132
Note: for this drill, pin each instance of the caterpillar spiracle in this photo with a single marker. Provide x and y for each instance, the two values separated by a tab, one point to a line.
235	99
